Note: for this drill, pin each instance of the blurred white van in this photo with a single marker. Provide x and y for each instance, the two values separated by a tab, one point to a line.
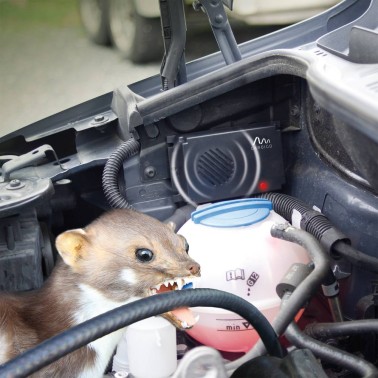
133	26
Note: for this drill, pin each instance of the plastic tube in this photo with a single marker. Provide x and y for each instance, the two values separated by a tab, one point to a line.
110	174
302	293
331	354
353	327
76	337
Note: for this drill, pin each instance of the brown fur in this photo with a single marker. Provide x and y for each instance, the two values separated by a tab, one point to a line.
30	318
94	256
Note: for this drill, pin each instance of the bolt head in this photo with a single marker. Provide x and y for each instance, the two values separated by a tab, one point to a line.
99	118
150	172
14	183
219	18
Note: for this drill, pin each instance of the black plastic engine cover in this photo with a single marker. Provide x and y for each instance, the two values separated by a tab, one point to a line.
297	364
209	166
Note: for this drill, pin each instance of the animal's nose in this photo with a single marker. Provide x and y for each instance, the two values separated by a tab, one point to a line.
194	268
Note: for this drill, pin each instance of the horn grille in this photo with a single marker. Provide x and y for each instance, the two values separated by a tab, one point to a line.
215	167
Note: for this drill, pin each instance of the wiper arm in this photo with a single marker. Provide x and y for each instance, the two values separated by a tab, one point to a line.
173	69
221	27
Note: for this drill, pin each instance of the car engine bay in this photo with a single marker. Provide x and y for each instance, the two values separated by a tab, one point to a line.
293	121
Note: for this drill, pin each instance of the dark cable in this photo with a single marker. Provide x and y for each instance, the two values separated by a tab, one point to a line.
111	171
76	337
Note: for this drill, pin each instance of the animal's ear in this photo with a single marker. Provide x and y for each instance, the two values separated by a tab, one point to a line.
172	226
72	246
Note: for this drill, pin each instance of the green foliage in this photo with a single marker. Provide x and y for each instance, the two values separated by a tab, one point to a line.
19	15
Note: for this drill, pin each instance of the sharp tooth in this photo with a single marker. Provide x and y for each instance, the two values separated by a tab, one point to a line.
179	283
195	281
184	324
158	287
166	283
153	291
196	318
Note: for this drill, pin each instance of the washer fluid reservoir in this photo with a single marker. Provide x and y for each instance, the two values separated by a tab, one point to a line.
231	241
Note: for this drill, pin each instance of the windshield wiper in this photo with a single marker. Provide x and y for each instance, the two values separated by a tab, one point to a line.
173	69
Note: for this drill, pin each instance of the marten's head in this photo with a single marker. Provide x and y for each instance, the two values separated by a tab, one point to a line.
128	255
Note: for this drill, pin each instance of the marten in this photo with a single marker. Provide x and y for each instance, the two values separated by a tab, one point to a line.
120	257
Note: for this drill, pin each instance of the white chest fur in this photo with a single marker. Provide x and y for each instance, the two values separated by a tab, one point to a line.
4	342
92	303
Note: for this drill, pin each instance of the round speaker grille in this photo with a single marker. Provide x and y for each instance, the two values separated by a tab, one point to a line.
215	167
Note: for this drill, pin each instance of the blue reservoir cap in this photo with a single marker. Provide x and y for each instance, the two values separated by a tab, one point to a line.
235	213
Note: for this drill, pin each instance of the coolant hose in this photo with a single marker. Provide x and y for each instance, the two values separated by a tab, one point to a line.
78	336
356	257
303	216
180	216
330	330
331	354
302	293
300	215
111	170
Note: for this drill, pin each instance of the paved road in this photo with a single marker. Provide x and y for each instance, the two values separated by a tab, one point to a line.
46	70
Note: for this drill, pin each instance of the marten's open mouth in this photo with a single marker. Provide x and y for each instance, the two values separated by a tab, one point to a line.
182	317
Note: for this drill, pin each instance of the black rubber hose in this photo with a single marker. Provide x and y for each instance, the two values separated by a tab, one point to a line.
341	329
310	220
317	224
311	283
111	171
356	257
180	216
331	354
302	293
76	337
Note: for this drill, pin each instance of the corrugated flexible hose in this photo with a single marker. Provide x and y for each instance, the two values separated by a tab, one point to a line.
111	170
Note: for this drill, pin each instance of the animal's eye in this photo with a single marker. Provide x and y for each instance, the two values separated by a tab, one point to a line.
144	255
186	246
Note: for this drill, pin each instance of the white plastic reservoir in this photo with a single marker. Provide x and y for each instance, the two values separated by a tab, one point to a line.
151	348
231	241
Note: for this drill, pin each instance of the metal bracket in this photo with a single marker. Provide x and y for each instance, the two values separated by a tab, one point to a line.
221	28
38	155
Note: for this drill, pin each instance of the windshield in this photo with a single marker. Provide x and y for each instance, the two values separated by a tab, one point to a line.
50	61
